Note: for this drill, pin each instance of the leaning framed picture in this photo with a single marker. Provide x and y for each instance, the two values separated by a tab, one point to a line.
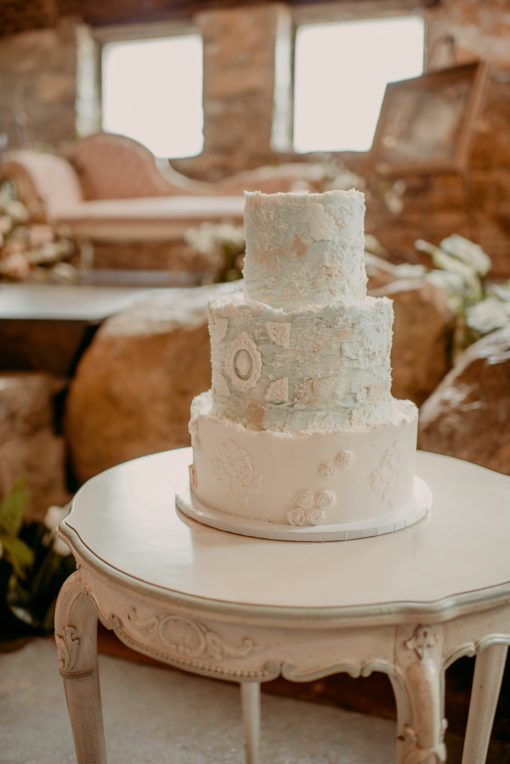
426	123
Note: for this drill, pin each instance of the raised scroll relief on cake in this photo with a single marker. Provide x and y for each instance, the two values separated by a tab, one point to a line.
321	224
323	388
233	467
384	478
218	328
278	391
279	332
221	385
310	508
243	362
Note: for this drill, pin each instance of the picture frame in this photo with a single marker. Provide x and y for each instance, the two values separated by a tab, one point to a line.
426	123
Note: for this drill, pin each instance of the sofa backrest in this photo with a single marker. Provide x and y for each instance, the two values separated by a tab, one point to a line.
112	166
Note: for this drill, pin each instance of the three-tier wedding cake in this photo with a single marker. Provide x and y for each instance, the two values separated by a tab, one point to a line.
299	437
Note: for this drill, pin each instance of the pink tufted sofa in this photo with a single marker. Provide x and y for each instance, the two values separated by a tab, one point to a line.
110	188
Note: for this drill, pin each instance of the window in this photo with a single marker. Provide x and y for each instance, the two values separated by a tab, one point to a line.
341	70
152	91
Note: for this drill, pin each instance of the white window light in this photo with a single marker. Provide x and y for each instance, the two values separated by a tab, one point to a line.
152	91
341	70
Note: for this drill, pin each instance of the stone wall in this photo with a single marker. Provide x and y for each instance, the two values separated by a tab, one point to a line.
475	205
241	62
247	94
38	86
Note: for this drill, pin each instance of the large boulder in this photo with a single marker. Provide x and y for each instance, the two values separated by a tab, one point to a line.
468	415
422	337
30	444
133	387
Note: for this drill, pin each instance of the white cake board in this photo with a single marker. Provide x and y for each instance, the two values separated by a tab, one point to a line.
418	508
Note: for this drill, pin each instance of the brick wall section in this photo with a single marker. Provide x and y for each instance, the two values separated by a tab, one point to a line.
38	86
479	206
239	77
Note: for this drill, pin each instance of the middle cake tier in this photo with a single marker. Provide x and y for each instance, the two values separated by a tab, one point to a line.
313	369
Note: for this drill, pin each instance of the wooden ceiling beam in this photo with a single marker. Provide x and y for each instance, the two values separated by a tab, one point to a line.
20	15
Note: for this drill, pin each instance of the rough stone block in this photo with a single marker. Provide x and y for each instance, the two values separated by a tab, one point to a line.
467	416
134	385
29	444
421	340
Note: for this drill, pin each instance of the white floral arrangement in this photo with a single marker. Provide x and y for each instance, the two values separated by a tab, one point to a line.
223	245
30	249
461	270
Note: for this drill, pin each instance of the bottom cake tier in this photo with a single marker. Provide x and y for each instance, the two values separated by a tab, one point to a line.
304	486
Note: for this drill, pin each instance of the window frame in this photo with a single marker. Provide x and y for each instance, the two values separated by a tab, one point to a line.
330	13
138	32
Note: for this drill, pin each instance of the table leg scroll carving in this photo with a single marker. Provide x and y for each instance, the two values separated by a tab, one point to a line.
418	690
76	638
489	667
250	700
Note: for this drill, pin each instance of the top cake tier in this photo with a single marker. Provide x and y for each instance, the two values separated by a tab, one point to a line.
304	249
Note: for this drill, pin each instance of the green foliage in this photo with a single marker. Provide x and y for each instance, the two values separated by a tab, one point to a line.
32	569
12	510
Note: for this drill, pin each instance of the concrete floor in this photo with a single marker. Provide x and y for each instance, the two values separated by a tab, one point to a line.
154	715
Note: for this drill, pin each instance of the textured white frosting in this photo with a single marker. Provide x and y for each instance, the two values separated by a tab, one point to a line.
300	427
316	368
305	479
304	249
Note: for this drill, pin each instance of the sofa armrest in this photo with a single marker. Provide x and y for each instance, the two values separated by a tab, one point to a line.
43	179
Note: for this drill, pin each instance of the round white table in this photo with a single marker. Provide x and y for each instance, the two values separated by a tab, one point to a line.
408	603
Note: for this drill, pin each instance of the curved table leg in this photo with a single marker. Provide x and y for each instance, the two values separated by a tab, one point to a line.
76	638
404	718
250	703
419	691
489	667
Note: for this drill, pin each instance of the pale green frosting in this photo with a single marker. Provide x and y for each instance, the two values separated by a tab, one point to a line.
304	249
316	368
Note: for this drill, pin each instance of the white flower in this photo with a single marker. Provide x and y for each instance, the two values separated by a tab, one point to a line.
17	211
324	499
468	252
210	239
316	516
488	315
327	470
344	459
296	516
55	515
304	499
60	547
52	520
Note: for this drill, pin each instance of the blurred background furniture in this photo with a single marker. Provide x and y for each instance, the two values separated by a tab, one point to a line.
108	190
